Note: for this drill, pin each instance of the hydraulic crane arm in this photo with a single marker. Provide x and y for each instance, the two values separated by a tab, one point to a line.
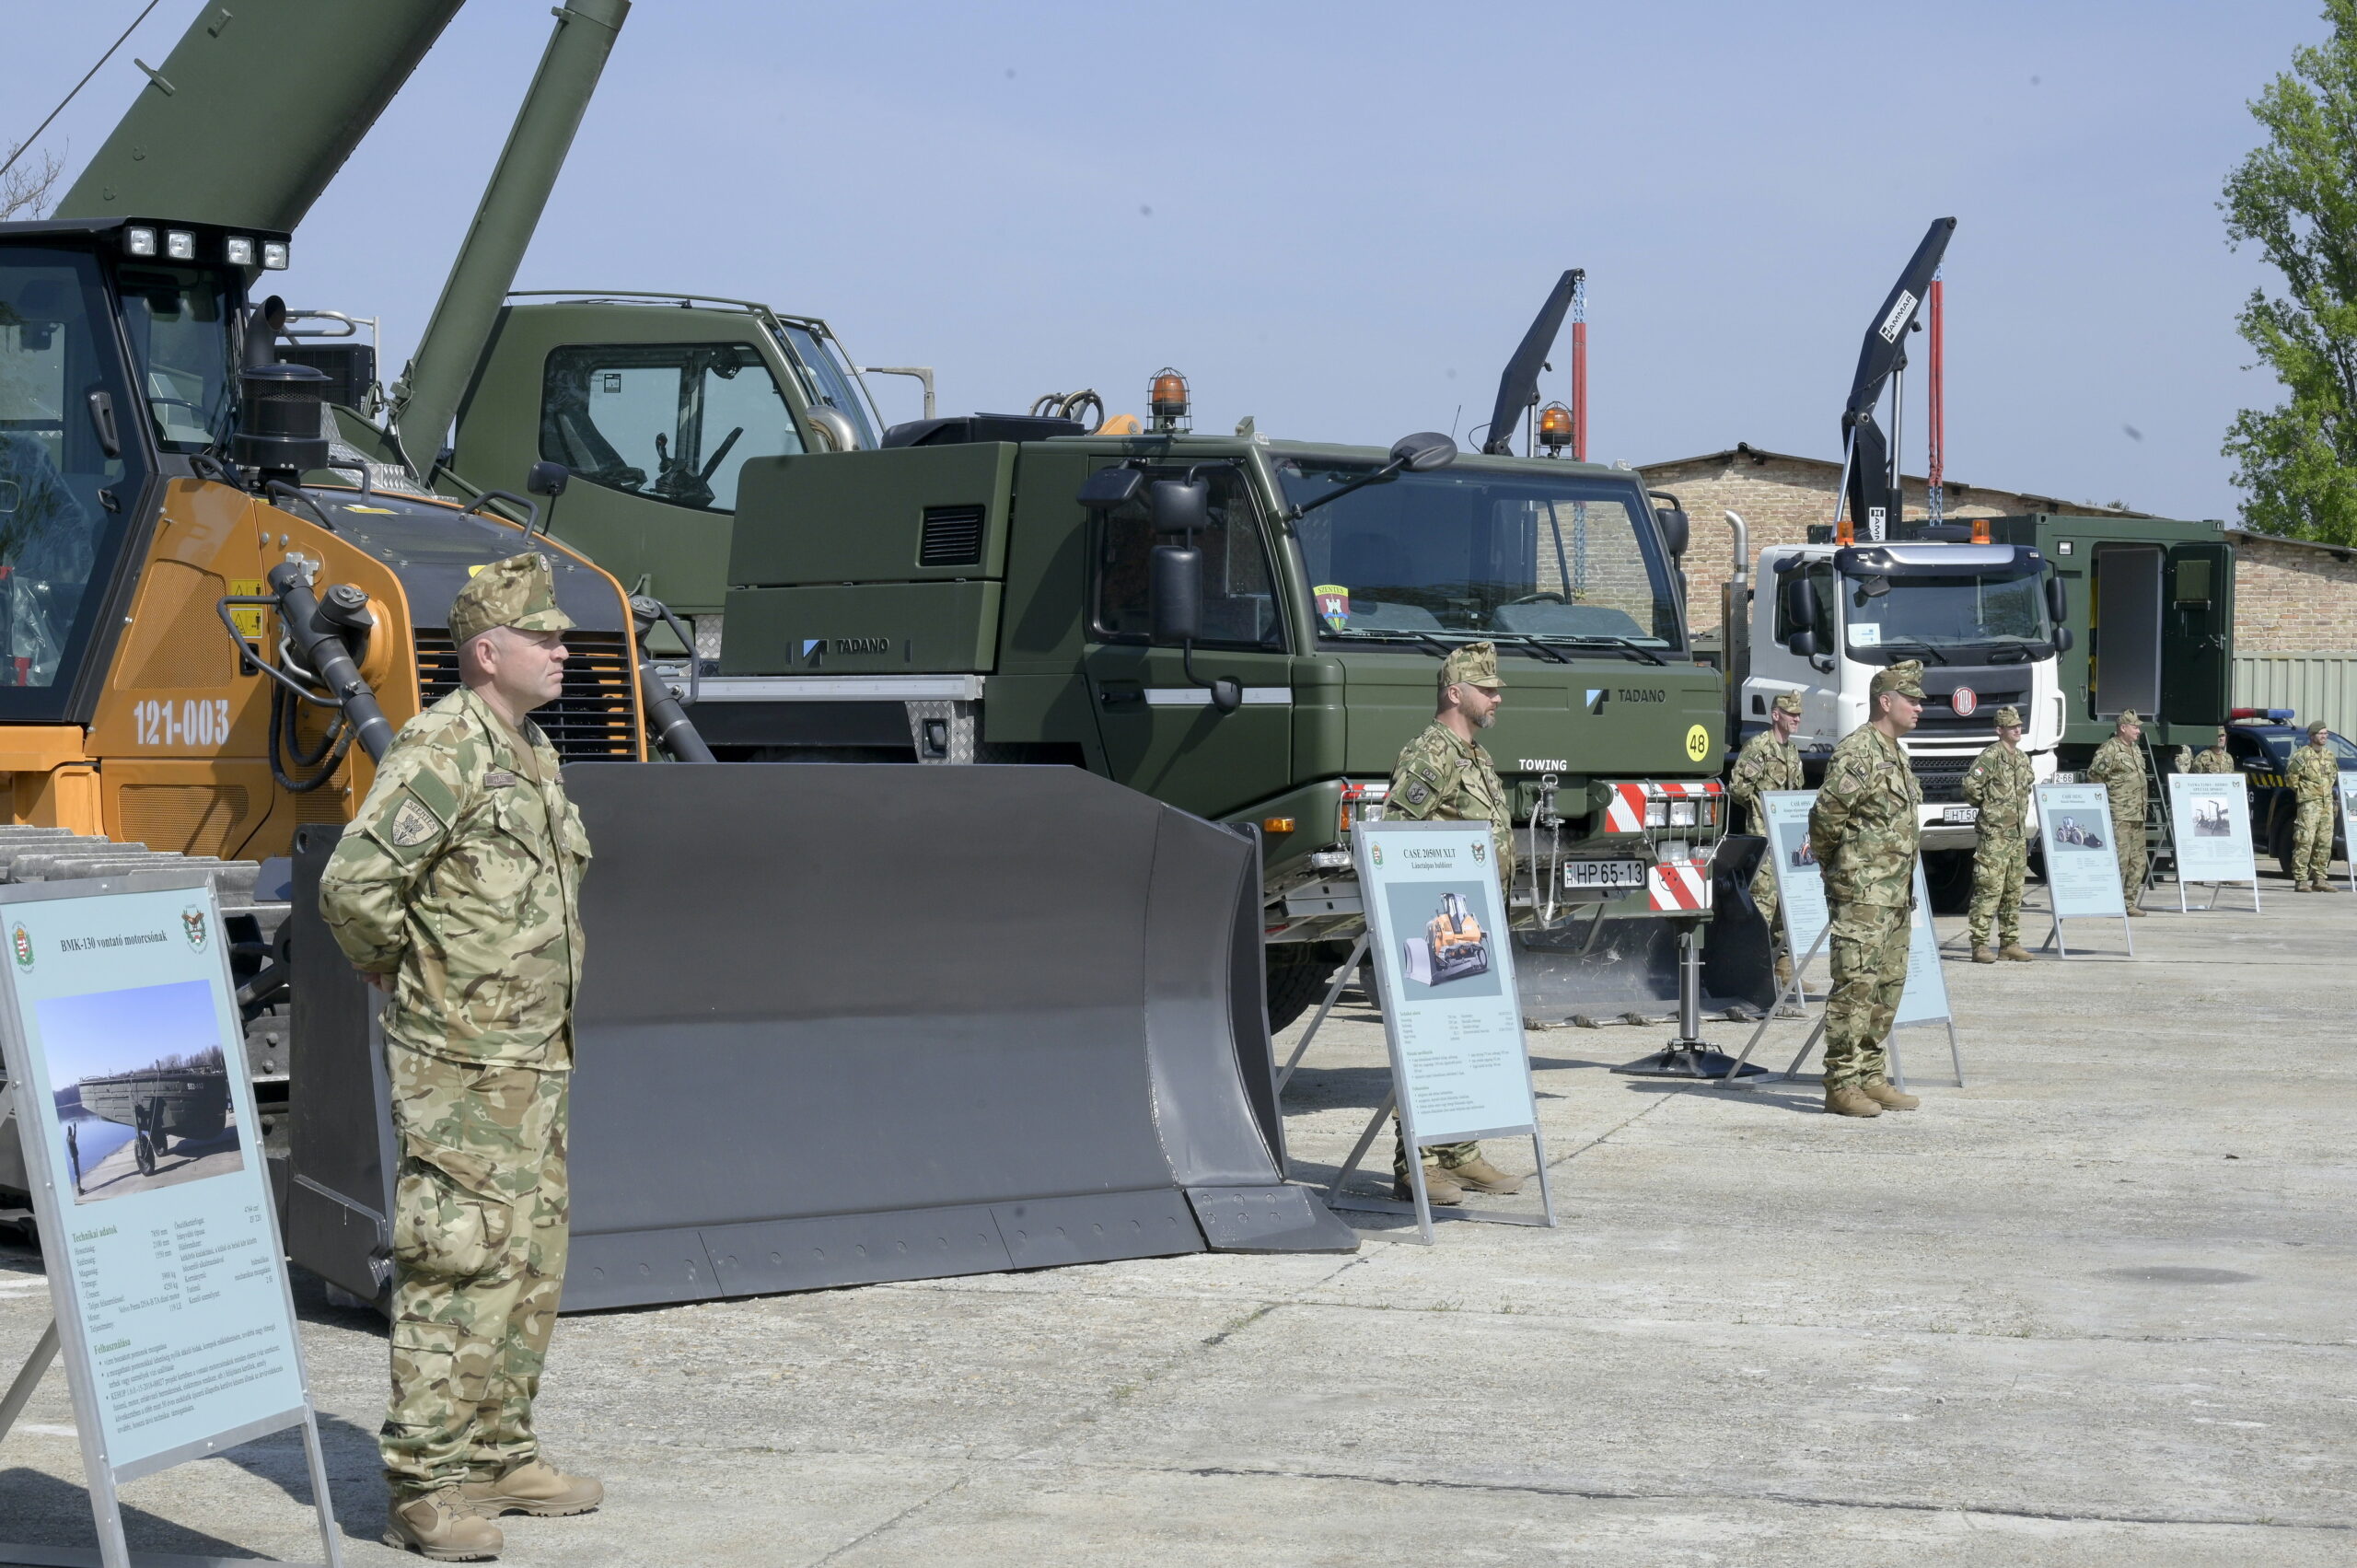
1872	481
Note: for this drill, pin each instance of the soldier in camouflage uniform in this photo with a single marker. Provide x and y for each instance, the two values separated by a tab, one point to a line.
2119	767
2217	760
455	890
1999	784
1864	831
2315	778
1444	775
1769	760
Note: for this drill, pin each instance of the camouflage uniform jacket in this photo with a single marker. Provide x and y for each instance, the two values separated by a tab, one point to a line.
1440	778
460	877
2313	774
1862	829
1998	782
1765	764
2117	766
2217	760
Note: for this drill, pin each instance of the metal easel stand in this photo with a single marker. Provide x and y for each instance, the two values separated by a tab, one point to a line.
1689	1055
112	1551
2054	937
2216	889
1793	996
1342	977
1422	1206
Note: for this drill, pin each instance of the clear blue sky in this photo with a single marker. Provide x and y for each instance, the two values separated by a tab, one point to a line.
1339	219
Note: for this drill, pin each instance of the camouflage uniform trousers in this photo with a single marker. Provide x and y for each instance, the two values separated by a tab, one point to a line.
2312	841
1998	864
1869	945
1763	893
2127	827
479	1231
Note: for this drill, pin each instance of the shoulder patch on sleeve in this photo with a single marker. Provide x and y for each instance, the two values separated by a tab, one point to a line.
412	824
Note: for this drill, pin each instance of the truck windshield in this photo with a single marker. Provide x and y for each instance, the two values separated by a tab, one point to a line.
179	324
827	381
1886	618
1483	552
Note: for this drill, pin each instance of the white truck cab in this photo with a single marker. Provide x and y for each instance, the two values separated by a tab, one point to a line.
1983	618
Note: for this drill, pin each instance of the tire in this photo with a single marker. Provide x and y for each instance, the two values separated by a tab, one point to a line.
1297	973
144	1152
1947	876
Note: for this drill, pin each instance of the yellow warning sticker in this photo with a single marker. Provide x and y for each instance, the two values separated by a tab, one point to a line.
248	616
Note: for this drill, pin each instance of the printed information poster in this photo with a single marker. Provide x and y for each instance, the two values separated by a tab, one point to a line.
2082	864
1925	999
2211	813
1799	886
1433	907
2349	823
128	1065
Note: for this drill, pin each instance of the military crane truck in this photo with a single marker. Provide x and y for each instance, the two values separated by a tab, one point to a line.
967	589
212	631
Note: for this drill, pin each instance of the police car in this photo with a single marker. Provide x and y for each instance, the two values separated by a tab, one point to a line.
2261	741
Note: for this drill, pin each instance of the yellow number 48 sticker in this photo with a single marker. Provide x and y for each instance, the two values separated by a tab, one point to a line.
1698	743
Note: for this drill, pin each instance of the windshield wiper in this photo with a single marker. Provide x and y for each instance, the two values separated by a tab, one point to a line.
1634	650
1526	640
1916	643
1423	639
2021	654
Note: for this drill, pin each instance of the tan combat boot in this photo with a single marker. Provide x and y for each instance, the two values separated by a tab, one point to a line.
1889	1098
1981	953
2135	912
2017	953
1484	1177
1440	1188
2299	887
534	1487
1849	1101
442	1525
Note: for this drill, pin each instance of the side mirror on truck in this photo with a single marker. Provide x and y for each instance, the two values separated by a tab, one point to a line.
2058	600
1675	531
1800	610
1180	506
1174	592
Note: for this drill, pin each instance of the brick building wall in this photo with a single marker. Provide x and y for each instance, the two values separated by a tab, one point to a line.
2294	598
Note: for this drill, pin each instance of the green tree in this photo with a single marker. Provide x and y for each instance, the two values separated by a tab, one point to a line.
2295	197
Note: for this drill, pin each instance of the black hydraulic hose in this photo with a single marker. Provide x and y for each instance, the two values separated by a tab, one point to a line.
673	730
317	639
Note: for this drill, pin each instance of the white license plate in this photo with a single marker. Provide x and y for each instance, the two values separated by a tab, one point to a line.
1960	814
1604	874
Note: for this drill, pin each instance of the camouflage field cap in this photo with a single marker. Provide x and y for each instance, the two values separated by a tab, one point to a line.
2320	727
2009	718
2127	717
1906	678
520	592
1475	663
1787	702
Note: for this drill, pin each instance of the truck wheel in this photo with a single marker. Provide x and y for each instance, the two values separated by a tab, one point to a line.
145	1153
1297	973
1947	876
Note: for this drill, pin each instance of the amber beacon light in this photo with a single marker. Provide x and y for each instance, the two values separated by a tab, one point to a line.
1555	428
1166	398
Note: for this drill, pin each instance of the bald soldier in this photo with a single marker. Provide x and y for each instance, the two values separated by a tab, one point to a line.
1997	785
2315	778
2119	767
1444	775
455	891
1769	761
1865	833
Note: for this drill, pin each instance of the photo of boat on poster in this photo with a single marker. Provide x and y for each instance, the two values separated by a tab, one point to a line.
141	1084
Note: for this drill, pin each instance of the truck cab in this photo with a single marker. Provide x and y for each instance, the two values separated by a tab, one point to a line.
1984	620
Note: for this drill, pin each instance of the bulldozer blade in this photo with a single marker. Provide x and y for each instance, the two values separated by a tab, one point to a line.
1626	970
842	1025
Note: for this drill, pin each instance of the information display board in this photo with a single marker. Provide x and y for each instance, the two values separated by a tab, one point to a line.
1800	883
1436	928
2082	858
2211	815
2349	825
126	1061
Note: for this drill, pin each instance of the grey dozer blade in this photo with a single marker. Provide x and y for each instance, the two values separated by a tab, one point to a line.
845	1024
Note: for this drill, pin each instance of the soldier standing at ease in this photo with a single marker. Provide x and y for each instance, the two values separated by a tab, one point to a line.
2217	760
1770	761
1863	833
1998	782
2119	766
2315	778
1444	775
456	891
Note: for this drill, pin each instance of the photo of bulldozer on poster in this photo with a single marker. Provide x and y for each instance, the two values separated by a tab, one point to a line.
1443	938
1453	947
